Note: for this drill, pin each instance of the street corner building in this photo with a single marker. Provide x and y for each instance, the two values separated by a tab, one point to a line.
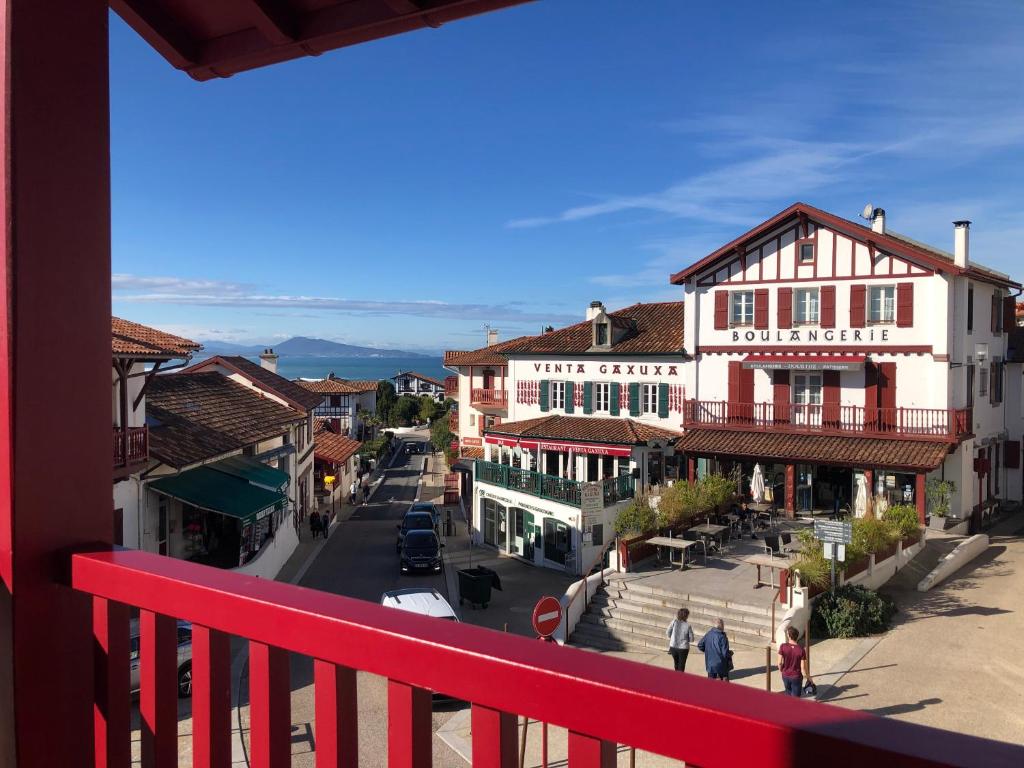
563	429
853	363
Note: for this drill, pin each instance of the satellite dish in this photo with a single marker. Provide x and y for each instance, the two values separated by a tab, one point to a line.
868	210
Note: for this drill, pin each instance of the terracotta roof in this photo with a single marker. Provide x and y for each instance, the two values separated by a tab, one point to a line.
297	396
130	339
653	329
585	429
471	452
198	416
815	449
485	355
330	446
334	386
420	376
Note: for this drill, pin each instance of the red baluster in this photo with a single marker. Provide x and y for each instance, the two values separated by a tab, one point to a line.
494	738
337	718
269	706
158	692
588	752
112	668
409	726
211	698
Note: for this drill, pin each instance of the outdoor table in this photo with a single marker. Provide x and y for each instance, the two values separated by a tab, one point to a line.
680	544
709	531
772	563
763	510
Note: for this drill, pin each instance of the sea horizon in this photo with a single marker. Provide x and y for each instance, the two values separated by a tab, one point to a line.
376	368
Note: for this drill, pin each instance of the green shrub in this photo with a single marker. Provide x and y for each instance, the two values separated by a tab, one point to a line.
901	520
870	535
637	517
684	501
851	611
939	493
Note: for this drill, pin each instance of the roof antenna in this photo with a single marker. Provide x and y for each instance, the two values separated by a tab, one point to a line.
869	209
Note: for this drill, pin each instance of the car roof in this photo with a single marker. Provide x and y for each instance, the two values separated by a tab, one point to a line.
133	626
425	602
418	513
418	533
418	505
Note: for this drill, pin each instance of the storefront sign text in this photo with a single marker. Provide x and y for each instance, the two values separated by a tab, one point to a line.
629	369
809	335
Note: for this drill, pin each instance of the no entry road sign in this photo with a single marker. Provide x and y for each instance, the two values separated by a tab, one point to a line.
547	616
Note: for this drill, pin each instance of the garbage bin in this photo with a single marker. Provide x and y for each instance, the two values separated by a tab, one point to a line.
474	587
484	572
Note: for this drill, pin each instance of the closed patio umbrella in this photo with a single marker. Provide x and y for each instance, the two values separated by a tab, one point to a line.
757	485
860	500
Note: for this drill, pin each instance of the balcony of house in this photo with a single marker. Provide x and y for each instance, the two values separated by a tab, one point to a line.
551	487
332	411
451	387
131	448
489	398
939	424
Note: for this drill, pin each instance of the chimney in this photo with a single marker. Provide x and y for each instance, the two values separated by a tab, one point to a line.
268	360
878	221
961	242
595	308
492	337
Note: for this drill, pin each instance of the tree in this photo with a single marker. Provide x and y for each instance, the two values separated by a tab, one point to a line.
406	409
386	399
636	518
684	501
441	436
429	408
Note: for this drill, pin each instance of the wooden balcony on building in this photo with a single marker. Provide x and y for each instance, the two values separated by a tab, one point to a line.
451	387
489	398
332	411
939	424
550	487
131	448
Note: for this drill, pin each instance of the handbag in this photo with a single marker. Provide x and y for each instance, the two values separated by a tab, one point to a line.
729	666
810	690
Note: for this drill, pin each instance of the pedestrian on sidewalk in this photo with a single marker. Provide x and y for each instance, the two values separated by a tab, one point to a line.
717	656
793	664
366	487
352	493
680	635
314	523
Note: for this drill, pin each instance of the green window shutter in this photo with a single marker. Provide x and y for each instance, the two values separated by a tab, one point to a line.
615	395
634	399
588	397
570	397
663	401
544	394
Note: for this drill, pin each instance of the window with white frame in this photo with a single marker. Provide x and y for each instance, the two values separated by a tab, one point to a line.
649	398
807	389
805	309
602	397
882	304
742	310
558	394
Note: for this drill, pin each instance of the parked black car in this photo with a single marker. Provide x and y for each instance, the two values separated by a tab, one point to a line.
415	521
421	551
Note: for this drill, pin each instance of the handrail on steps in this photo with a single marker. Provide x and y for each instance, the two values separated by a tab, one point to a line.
583	584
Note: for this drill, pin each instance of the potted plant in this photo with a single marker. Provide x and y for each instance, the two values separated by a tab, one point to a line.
938	494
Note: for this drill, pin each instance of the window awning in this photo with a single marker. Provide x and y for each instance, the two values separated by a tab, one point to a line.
253	471
804	362
211	489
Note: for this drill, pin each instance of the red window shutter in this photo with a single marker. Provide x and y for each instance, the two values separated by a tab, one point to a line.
1011	454
785	308
735	371
1009	313
858	305
721	310
870	394
761	308
828	306
905	305
830	398
780	396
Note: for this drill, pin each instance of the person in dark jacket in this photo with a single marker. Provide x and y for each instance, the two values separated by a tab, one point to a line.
717	656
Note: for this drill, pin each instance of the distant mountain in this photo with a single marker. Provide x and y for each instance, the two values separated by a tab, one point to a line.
303	346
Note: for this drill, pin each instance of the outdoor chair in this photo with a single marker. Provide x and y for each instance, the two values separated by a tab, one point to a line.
693	536
773	546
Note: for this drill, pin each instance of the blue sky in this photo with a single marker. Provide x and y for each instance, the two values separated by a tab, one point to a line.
510	168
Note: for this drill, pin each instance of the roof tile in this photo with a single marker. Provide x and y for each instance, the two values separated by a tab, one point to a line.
297	396
585	429
130	339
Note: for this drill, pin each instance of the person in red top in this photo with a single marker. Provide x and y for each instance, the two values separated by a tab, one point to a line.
793	664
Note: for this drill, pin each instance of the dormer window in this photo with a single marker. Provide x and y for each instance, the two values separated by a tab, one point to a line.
601	334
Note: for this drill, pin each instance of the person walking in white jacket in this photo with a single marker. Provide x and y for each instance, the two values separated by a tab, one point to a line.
680	635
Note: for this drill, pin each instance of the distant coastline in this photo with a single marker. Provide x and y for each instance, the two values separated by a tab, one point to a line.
376	368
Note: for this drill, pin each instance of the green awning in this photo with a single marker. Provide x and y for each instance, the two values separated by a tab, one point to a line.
252	471
216	491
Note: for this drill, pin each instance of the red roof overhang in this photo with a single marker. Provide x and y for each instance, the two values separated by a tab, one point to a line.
805	362
532	443
217	38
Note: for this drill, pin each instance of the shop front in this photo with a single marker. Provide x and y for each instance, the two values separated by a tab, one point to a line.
545	537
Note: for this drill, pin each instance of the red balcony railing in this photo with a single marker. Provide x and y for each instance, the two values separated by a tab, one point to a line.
946	424
131	446
451	387
601	701
497	398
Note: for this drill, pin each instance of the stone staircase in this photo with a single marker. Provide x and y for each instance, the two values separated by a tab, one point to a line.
627	615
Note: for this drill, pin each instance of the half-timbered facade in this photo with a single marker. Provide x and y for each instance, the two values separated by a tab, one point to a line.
843	358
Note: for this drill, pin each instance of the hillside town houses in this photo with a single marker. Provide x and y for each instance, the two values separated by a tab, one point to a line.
849	361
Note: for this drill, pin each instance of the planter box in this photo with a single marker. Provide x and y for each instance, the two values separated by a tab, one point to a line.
857	567
937	523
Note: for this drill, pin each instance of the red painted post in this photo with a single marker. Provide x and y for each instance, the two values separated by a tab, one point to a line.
410	729
337	716
55	190
112	703
790	491
590	752
158	689
494	738
270	737
920	496
211	698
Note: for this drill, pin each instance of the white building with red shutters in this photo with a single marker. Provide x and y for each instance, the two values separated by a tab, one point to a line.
844	357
